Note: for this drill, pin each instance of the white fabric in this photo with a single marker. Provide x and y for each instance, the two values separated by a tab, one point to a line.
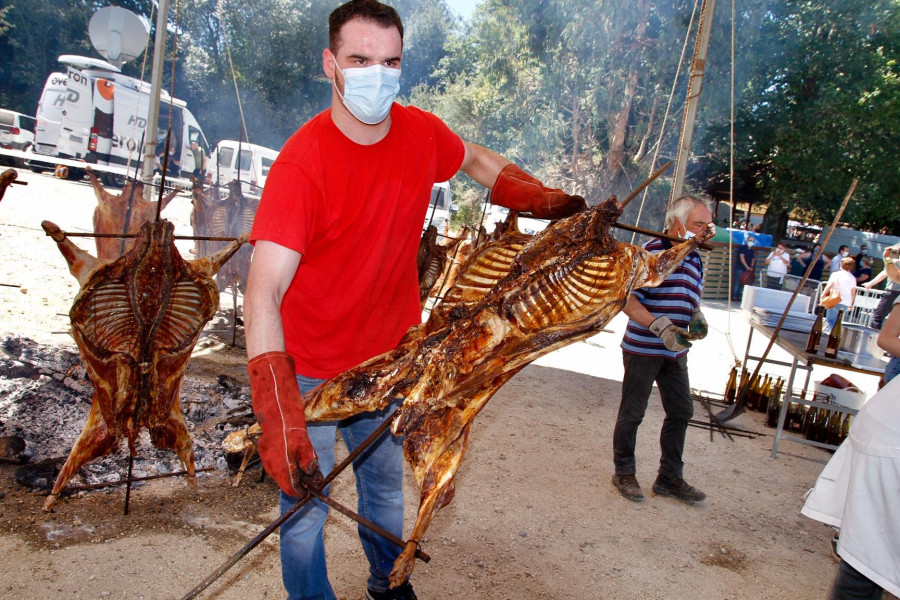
845	282
859	491
777	267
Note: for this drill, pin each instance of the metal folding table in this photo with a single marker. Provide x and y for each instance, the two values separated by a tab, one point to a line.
794	343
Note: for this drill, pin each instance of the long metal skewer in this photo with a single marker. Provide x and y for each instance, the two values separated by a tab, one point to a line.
288	513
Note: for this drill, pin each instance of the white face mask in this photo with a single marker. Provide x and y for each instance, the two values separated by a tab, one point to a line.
750	243
845	253
688	234
369	91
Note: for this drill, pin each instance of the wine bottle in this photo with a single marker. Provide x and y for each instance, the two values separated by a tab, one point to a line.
773	409
834	338
815	334
731	386
812	423
822	425
762	404
752	393
845	427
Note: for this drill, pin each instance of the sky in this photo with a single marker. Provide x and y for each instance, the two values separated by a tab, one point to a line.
463	8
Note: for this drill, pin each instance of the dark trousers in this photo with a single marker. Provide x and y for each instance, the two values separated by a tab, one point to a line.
850	584
671	377
737	288
883	308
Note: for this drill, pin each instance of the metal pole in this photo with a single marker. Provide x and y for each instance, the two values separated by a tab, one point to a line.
695	86
159	55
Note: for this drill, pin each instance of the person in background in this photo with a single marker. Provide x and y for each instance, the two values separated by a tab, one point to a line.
845	282
797	268
857	492
863	272
661	322
777	266
333	280
744	260
842	253
199	159
806	258
891	272
862	255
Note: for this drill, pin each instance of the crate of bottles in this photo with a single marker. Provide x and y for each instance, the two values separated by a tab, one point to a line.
822	424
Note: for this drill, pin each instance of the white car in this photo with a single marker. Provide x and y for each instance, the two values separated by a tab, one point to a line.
16	132
527	225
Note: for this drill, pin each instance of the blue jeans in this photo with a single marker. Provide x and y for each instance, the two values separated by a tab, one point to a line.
832	313
671	376
892	369
379	485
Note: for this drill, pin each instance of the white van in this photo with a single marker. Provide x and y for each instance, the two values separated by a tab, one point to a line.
16	132
96	114
232	160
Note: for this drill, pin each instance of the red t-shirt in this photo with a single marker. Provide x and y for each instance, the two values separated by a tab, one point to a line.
355	213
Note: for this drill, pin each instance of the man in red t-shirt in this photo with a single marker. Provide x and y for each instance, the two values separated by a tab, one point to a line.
333	280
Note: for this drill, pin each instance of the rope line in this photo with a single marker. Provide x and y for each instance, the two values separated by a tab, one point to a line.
220	15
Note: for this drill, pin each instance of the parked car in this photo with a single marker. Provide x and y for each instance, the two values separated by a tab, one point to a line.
16	133
251	166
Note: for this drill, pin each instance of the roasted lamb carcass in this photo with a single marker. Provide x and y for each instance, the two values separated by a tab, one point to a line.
6	179
517	298
438	264
231	216
136	320
121	214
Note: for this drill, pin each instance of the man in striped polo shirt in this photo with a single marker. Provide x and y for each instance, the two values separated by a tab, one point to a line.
662	320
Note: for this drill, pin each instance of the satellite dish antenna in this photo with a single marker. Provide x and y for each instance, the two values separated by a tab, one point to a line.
119	35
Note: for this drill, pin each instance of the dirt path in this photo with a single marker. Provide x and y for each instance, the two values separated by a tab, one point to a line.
534	515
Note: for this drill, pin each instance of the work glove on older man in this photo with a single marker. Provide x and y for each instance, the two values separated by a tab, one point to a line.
284	448
519	191
698	327
674	338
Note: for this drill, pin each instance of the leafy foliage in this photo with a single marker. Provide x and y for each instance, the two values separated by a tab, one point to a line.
580	92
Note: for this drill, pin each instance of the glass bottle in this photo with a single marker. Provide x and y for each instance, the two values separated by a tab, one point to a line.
812	424
834	338
752	393
769	388
815	334
845	427
773	409
731	386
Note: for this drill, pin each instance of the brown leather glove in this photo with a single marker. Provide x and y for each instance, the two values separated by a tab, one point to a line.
284	448
519	191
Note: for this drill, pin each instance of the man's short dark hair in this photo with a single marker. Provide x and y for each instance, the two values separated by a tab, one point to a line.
841	248
368	10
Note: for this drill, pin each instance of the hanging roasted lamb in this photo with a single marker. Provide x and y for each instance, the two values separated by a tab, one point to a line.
436	262
121	214
136	320
517	298
231	216
6	179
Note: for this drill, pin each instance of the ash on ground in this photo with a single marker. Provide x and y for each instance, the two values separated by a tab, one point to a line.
45	398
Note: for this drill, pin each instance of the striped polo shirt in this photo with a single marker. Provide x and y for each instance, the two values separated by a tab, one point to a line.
677	297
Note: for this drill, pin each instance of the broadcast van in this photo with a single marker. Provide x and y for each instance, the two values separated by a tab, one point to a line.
94	113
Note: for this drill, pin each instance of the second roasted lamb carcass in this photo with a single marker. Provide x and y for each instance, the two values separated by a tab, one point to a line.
136	320
516	299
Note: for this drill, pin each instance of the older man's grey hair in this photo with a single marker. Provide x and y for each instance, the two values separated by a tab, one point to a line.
682	206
